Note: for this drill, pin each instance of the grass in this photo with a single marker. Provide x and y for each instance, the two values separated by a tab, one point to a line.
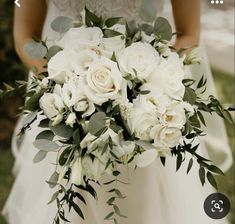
225	88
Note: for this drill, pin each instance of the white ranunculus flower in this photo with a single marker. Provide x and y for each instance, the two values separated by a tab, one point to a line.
139	60
146	158
155	97
175	115
165	137
52	106
102	82
142	119
71	119
168	76
60	68
81	37
77	175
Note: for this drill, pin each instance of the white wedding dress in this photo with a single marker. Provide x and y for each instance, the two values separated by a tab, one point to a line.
155	195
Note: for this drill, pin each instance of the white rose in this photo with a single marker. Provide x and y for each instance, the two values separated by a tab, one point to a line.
82	59
174	115
142	119
155	97
85	106
52	106
71	119
76	176
165	137
59	67
81	37
168	76
102	82
139	60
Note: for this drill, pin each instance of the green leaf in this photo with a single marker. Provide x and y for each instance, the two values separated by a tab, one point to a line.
116	173
110	201
62	130
62	24
201	118
97	122
117	211
190	164
119	194
39	156
48	135
78	195
44	123
211	180
215	169
162	28
109	216
78	210
190	95
111	33
53	179
35	50
163	160
91	19
112	21
52	52
179	161
202	175
76	137
148	29
64	156
32	103
54	197
45	145
30	118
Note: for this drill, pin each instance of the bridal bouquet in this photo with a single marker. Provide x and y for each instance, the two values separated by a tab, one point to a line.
115	94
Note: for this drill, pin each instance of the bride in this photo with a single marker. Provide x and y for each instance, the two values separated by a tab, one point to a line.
156	194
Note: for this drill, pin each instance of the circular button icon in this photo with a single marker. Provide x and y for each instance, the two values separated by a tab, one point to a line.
217	206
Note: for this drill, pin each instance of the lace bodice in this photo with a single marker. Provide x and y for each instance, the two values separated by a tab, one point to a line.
138	10
145	10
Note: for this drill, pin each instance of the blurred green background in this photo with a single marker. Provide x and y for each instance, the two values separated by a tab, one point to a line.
11	69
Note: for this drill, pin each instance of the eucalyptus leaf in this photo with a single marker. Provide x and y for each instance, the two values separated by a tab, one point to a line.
62	24
53	179
53	51
97	122
62	130
32	103
162	28
45	145
39	156
35	50
190	96
49	135
44	123
148	29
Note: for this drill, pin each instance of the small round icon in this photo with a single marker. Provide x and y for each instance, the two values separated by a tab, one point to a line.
217	206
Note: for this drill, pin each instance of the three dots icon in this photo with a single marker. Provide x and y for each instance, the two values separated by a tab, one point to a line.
217	2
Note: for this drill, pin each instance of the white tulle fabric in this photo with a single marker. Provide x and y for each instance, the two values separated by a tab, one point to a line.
155	195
